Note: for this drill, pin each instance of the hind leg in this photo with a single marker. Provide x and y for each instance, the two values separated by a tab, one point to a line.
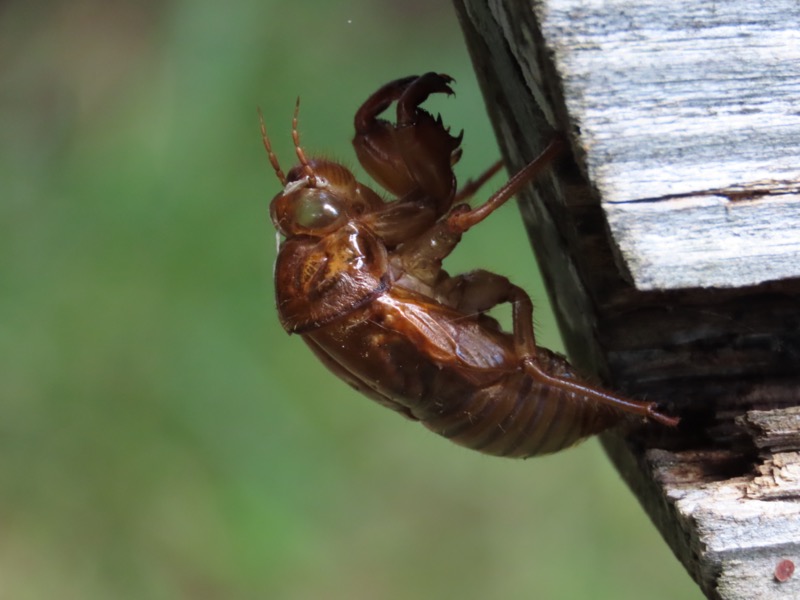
527	350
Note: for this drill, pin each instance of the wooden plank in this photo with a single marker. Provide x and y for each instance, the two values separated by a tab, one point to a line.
684	108
709	240
657	344
736	522
709	354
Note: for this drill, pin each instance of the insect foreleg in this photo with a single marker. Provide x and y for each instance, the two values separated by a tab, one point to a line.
416	154
423	255
365	120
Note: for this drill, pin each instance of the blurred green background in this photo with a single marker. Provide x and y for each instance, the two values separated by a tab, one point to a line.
160	436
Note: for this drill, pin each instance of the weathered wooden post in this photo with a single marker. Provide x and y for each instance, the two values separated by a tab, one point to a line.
671	246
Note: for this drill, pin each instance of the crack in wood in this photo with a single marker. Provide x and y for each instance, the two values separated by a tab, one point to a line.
735	193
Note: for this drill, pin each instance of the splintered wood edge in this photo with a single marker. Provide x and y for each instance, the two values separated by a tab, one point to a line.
773	430
732	523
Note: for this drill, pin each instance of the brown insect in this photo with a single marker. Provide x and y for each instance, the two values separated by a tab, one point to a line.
360	279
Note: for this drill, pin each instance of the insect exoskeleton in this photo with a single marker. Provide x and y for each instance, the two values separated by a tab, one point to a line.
360	278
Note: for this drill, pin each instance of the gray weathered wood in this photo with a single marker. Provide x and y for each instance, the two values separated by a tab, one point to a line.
737	520
689	119
776	431
722	514
613	257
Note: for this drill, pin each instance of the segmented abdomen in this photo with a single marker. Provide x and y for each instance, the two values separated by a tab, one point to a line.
518	416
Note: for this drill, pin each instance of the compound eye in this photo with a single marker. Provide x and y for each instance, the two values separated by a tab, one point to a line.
318	210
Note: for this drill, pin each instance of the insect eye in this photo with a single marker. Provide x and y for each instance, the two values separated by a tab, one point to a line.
316	209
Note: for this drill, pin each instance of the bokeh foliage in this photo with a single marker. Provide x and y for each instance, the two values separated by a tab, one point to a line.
160	436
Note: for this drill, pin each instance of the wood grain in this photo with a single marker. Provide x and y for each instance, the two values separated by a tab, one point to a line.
669	244
732	536
689	123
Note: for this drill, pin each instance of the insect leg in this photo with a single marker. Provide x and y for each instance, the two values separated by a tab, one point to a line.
473	185
461	220
526	347
644	409
417	92
416	154
375	139
479	291
427	148
367	114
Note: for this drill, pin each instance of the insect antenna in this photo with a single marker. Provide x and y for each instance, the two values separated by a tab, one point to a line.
273	160
301	156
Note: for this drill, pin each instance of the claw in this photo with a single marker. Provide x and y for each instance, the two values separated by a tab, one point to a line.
417	93
415	154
